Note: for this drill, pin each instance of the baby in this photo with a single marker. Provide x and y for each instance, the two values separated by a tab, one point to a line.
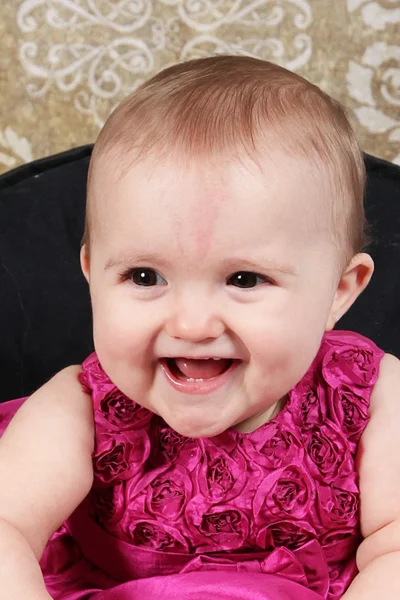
223	442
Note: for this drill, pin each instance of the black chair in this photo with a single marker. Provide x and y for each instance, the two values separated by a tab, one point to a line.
45	319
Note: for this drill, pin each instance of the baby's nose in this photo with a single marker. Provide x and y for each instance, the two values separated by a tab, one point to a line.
194	321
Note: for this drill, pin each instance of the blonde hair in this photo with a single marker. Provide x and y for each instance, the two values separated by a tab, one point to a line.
225	103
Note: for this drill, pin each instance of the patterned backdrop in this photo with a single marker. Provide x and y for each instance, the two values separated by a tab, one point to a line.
66	63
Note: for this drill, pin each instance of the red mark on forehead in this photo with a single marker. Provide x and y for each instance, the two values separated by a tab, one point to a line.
196	224
204	224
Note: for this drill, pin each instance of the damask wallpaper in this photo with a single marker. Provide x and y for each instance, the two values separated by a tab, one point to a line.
66	63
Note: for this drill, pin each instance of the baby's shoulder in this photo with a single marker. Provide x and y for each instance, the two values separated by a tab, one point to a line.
386	393
384	410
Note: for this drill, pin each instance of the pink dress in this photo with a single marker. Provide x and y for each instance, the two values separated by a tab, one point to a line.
270	515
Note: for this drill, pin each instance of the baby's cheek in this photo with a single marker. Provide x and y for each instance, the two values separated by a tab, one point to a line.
107	328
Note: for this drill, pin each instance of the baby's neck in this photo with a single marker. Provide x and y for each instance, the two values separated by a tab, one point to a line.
256	421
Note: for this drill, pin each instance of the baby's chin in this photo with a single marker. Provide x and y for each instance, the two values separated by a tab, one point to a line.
196	428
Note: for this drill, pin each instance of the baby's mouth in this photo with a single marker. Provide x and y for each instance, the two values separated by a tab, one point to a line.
195	369
198	376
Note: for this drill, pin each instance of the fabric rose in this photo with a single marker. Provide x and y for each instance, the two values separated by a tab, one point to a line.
290	534
121	413
119	458
151	534
220	476
349	411
168	494
327	453
308	403
108	504
170	442
340	543
214	527
167	446
286	492
337	506
350	365
272	447
93	377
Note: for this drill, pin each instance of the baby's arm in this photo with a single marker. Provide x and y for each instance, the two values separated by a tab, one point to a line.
378	557
45	472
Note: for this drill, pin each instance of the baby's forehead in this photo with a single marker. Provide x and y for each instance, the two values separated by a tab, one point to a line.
193	195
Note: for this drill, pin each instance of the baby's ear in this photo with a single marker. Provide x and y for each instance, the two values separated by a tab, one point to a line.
353	281
85	263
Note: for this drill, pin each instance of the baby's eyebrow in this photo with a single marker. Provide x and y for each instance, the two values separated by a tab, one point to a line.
267	264
138	260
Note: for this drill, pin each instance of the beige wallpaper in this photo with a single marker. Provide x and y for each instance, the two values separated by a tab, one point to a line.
66	63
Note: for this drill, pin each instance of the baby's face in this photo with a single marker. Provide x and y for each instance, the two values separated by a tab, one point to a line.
221	261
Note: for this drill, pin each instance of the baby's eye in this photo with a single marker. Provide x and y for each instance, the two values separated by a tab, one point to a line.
246	279
145	277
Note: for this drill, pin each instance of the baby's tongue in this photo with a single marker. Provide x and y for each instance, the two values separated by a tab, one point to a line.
201	369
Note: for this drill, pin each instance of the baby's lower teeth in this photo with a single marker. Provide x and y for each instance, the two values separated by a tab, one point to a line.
191	379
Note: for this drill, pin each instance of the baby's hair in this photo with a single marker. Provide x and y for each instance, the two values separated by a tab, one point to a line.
220	104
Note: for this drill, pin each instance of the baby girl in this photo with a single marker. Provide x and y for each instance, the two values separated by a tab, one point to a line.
223	442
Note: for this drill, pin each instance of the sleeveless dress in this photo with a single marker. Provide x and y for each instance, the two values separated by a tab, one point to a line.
267	515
